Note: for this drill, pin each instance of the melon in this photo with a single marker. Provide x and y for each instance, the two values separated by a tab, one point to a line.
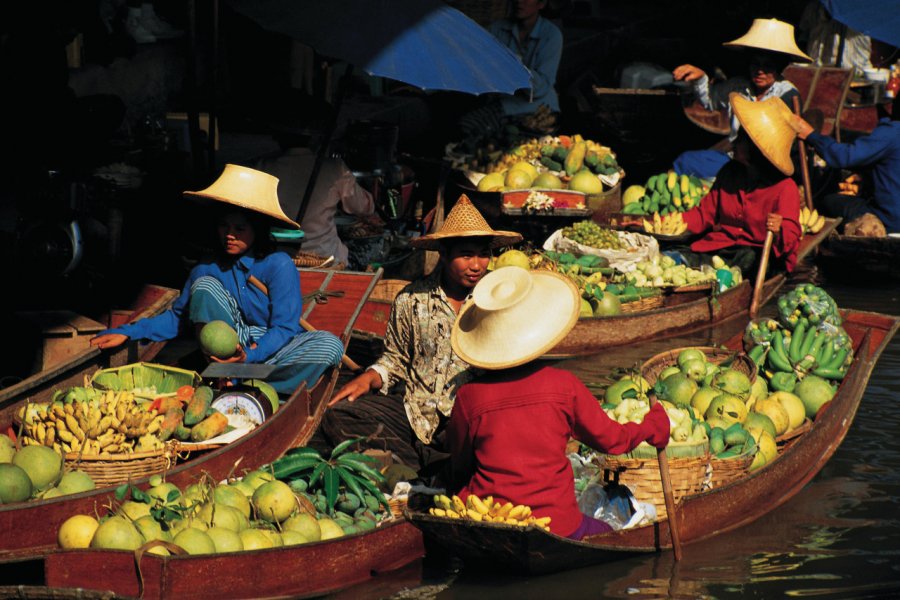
219	339
15	486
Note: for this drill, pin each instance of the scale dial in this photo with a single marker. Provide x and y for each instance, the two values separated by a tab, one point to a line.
242	408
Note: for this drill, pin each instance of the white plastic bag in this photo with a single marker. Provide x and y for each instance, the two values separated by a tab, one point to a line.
638	247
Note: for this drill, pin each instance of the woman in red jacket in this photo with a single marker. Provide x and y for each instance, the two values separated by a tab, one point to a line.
754	192
509	427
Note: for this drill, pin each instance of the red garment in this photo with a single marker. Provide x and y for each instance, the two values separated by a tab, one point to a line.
735	216
508	432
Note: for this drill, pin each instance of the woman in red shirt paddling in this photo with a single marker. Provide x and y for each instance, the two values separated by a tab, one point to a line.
753	193
509	428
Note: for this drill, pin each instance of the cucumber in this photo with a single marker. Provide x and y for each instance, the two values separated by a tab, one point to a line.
551	164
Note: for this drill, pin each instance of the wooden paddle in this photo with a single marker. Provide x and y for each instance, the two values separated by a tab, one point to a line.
804	166
667	494
761	274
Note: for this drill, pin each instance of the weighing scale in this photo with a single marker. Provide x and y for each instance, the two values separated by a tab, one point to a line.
241	402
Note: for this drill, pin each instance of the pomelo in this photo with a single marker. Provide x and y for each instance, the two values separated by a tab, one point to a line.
632	193
758	420
254	539
727	407
758	390
134	510
7	449
527	167
15	486
117	533
794	407
679	389
52	492
547	181
587	182
305	524
274	501
668	371
274	537
815	392
330	529
161	493
608	306
77	532
586	309
513	258
220	515
689	354
517	179
775	411
150	529
695	369
293	538
702	398
74	482
234	497
219	339
491	182
733	382
194	541
615	392
43	465
257	477
225	540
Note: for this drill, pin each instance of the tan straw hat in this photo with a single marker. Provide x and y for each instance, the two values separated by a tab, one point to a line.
464	220
249	189
515	316
772	35
767	122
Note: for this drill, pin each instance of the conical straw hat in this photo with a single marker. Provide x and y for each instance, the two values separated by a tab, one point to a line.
249	189
767	122
772	35
464	220
515	316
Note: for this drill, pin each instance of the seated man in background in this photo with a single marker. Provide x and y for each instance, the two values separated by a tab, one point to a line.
880	152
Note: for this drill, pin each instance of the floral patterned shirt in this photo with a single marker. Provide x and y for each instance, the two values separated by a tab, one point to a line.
417	352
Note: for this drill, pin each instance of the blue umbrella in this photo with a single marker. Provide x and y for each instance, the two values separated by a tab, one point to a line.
879	19
424	43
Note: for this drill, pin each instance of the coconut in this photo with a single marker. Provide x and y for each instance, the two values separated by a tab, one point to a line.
43	465
15	486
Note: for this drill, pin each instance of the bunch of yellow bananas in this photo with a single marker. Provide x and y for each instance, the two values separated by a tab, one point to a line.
671	224
811	221
110	423
487	510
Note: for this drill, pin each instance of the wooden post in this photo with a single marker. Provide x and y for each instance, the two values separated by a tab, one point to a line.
761	274
667	494
804	165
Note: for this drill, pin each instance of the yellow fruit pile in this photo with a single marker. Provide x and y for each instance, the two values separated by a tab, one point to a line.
487	510
671	224
811	221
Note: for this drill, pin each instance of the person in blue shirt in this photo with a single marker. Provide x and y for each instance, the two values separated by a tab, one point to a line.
880	152
250	287
538	42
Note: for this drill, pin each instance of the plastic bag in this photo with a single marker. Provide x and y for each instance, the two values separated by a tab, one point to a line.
759	332
810	303
638	248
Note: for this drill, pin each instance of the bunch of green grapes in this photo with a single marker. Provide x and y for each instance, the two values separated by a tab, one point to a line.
590	234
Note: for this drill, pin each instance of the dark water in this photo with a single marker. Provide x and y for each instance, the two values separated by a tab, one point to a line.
838	538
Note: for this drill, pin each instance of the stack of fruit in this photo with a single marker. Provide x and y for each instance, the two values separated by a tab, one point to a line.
663	272
588	233
664	193
811	221
671	224
487	510
36	472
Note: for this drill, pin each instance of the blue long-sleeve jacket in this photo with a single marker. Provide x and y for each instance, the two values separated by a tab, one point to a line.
279	311
541	54
879	150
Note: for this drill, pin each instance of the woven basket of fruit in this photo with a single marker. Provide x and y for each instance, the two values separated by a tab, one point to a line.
726	470
113	469
151	378
688	475
718	356
644	304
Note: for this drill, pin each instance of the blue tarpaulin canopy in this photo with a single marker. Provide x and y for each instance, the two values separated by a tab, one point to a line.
879	19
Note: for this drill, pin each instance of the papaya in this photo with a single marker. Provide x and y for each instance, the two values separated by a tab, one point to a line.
166	404
575	160
209	427
172	419
198	405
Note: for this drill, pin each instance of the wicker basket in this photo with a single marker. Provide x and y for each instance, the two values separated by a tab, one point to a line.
726	470
115	469
659	363
398	505
784	438
314	261
641	475
387	289
644	304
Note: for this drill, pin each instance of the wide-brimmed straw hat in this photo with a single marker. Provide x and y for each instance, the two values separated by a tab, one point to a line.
515	316
767	122
248	189
463	221
772	35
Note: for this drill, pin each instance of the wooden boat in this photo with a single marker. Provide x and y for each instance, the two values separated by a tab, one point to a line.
857	257
28	529
699	516
682	312
290	571
150	301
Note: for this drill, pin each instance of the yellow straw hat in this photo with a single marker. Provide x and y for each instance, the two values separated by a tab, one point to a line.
249	189
514	316
464	220
772	35
767	122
